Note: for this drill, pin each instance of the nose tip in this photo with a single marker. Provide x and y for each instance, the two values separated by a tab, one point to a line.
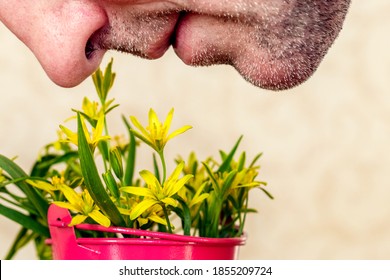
65	49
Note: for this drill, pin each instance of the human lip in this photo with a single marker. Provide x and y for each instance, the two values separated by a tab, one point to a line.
268	48
147	34
167	17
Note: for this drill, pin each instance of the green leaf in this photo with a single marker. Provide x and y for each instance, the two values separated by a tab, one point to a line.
241	162
267	193
226	163
20	202
185	214
24	220
42	166
111	108
255	159
92	179
131	153
111	184
227	183
156	169
234	202
33	196
212	176
90	120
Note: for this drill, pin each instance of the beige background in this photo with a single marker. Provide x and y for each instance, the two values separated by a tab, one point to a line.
325	143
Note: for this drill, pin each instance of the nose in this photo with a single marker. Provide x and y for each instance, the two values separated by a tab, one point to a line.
62	43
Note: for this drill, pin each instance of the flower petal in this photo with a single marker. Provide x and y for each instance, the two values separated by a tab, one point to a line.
174	187
178	131
138	191
85	129
142	221
78	219
167	123
138	125
176	173
157	219
101	219
73	197
124	211
67	205
43	185
150	179
154	123
71	136
198	199
141	208
170	201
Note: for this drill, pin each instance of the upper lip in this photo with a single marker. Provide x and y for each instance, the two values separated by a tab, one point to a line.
156	47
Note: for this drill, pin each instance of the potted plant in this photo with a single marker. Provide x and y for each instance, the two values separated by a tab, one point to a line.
83	200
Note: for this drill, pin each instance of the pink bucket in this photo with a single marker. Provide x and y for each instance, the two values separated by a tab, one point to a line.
149	246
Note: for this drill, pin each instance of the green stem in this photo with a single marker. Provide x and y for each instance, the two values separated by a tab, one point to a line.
108	143
242	220
105	126
167	218
216	218
164	166
102	151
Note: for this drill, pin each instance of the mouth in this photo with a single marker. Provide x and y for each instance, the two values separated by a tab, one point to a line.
276	52
145	35
150	35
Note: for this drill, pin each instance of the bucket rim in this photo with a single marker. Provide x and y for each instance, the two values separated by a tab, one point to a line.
166	236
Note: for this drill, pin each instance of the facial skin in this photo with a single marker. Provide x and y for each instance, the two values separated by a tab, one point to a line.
274	44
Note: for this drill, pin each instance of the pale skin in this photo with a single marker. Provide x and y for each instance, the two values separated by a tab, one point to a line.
273	44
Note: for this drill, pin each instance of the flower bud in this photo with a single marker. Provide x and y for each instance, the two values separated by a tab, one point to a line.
111	183
116	162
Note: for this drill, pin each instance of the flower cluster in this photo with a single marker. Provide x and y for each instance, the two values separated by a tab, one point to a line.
93	174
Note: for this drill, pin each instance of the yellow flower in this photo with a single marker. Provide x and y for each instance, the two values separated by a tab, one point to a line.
196	194
156	133
82	204
58	145
155	193
93	139
91	109
153	214
56	184
120	141
199	196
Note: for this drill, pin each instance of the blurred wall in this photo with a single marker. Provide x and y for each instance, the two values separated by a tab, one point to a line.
325	143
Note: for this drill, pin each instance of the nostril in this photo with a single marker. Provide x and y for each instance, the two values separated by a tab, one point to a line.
72	29
89	49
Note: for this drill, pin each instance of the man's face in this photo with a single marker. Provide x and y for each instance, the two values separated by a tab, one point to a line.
274	44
